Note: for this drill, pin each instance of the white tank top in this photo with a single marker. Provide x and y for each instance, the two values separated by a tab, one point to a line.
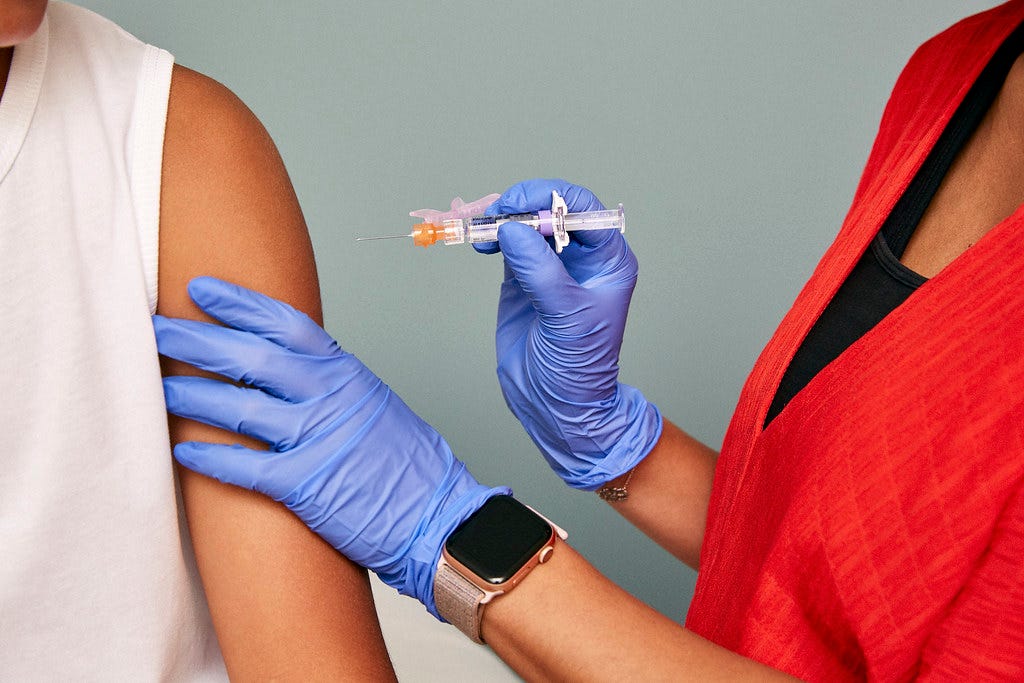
97	578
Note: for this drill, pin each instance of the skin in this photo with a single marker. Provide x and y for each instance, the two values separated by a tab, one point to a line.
285	605
19	19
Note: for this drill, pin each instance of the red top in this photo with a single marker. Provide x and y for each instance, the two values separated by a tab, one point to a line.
875	528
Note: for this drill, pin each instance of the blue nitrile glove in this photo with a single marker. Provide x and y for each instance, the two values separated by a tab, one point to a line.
347	455
560	324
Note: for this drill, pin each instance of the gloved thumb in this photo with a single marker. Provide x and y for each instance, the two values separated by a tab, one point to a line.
535	266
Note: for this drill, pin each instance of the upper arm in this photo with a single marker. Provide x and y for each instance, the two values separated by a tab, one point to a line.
284	603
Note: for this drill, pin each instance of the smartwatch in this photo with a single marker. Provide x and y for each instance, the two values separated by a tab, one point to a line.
487	556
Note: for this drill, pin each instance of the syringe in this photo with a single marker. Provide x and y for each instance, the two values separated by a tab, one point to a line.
452	228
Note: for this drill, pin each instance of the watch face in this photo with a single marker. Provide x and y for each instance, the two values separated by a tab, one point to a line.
498	539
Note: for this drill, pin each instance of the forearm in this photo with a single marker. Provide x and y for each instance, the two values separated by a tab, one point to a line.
566	621
669	492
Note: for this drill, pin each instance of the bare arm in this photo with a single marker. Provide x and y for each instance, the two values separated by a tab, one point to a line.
537	629
669	492
285	605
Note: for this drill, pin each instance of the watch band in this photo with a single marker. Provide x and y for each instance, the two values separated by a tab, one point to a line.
459	601
459	593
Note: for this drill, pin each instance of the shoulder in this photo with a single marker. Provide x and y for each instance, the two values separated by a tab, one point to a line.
212	134
202	111
949	61
227	207
934	80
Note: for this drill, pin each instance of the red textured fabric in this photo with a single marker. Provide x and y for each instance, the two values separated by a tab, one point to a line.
875	529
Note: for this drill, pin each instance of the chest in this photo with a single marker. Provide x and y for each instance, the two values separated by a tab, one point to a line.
859	513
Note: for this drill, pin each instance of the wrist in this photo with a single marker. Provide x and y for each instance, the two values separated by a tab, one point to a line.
412	571
487	556
633	426
617	490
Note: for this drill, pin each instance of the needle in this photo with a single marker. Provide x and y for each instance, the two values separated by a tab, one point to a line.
386	237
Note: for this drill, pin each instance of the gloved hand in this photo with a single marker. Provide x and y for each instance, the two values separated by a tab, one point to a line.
347	455
560	324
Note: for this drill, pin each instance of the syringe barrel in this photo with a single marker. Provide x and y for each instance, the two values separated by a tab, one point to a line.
606	219
485	228
480	228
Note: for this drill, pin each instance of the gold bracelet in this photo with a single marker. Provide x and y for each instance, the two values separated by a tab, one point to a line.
615	494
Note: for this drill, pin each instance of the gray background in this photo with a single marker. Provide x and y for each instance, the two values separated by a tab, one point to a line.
733	132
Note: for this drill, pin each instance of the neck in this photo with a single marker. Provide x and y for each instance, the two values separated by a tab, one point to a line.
5	66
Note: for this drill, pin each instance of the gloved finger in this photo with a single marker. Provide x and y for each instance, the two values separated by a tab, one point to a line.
535	195
245	309
592	238
486	247
516	313
251	412
515	309
578	199
607	261
537	269
248	358
236	465
494	208
494	247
